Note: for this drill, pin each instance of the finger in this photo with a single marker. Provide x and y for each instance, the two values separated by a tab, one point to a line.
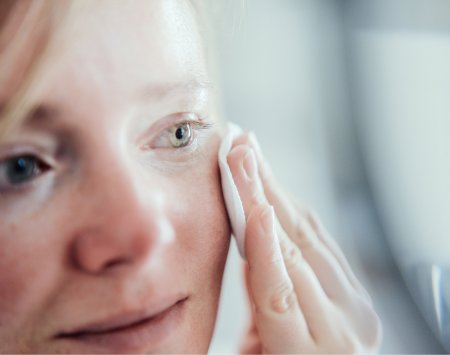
250	339
285	210
288	213
314	300
246	281
329	272
279	320
245	172
242	163
336	251
312	297
319	313
243	167
251	344
241	139
326	255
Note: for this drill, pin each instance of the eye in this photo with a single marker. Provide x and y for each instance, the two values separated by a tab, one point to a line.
21	169
180	135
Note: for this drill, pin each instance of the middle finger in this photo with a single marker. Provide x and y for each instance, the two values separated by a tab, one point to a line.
245	168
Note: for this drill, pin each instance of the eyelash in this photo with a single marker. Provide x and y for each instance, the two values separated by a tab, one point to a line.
200	125
196	125
42	167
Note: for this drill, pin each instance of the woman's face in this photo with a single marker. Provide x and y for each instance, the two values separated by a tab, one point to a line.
113	232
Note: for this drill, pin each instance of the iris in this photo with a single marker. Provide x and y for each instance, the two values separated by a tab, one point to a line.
21	169
180	135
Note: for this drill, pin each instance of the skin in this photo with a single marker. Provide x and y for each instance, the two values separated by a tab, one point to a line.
118	219
303	295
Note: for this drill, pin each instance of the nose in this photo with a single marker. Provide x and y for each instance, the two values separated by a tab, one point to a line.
125	222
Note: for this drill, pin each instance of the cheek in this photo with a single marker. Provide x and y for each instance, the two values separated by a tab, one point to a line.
27	278
201	220
203	237
205	223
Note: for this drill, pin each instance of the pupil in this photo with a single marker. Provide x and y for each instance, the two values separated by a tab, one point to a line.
21	169
179	133
21	165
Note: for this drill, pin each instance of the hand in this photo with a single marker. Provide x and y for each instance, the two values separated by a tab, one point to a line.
304	296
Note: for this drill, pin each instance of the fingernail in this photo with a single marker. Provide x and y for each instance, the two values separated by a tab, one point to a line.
267	220
249	164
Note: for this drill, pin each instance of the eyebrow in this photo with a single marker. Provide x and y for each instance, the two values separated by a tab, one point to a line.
161	91
37	113
41	114
45	113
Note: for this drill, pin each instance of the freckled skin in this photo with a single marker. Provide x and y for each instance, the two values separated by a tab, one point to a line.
164	228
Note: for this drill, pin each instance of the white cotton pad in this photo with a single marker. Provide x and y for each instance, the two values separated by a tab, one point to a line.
230	192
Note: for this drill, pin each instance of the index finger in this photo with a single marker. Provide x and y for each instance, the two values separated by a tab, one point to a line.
281	324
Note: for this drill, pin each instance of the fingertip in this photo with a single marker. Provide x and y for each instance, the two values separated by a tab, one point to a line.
235	152
235	156
242	139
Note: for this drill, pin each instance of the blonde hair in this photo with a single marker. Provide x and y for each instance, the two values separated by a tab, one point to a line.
26	27
36	27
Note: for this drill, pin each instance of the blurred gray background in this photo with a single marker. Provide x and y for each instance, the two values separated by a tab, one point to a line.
350	102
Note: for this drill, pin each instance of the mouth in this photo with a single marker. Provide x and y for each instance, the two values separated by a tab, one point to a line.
129	332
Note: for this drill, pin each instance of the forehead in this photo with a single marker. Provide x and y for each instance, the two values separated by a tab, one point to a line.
118	46
161	34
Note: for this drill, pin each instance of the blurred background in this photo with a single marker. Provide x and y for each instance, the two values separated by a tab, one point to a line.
350	102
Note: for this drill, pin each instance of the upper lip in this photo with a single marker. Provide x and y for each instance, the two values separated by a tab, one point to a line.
121	320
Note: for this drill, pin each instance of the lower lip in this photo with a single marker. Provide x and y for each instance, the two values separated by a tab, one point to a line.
135	338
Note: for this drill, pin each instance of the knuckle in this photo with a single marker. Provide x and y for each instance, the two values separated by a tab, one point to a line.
283	299
292	255
312	216
302	237
256	197
277	260
314	220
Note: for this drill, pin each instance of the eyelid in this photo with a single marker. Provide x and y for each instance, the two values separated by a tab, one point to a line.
158	128
17	151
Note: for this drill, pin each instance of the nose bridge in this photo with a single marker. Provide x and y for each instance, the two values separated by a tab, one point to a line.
126	220
118	182
118	186
122	191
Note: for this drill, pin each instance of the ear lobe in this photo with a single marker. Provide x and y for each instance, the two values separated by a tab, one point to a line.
230	192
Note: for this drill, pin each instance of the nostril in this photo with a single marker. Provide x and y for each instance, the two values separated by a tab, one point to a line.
115	262
94	252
